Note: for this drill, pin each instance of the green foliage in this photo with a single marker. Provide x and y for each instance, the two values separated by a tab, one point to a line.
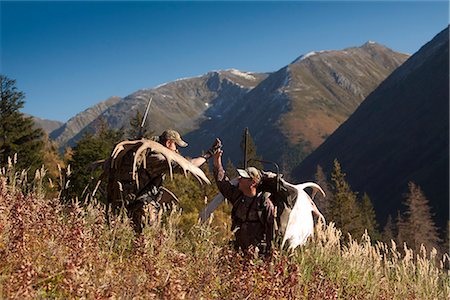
90	149
136	131
446	244
416	226
323	203
17	134
194	197
368	215
344	210
251	152
389	230
230	169
294	155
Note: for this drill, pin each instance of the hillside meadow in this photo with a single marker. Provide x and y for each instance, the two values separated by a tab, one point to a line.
64	251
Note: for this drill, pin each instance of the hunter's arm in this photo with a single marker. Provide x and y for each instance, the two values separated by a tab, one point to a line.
227	189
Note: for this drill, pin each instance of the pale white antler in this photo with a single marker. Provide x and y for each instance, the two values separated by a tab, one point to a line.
300	224
120	150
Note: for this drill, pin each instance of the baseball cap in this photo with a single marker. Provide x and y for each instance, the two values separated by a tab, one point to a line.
250	172
170	134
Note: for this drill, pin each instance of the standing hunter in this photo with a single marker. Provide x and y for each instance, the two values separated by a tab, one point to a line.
137	170
252	215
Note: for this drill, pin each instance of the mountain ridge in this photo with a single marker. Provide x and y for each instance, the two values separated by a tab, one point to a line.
299	105
398	134
295	107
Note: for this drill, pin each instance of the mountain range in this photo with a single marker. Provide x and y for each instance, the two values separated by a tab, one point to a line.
400	133
46	125
295	108
65	134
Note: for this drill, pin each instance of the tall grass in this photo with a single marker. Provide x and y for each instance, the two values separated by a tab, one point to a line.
51	250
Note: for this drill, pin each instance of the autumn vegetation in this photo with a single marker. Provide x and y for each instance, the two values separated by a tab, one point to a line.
51	249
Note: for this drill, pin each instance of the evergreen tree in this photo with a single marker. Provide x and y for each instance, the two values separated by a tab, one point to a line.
136	131
369	221
323	203
446	245
17	132
294	155
251	153
230	169
344	210
417	226
389	231
89	149
193	197
403	232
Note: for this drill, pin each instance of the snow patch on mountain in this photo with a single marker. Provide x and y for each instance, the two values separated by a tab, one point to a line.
305	56
246	75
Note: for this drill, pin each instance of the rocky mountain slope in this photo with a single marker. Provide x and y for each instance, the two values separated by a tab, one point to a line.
64	134
293	110
400	133
181	104
47	125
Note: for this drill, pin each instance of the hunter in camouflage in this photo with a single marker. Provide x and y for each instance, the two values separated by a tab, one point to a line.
136	171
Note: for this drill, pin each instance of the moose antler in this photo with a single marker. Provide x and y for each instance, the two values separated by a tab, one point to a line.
120	150
300	223
141	155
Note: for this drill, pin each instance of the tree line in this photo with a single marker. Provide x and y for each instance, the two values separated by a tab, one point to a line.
354	214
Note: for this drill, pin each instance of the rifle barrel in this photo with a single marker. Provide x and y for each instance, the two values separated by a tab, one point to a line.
146	112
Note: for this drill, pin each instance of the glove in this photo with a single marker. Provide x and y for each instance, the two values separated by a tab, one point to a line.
213	149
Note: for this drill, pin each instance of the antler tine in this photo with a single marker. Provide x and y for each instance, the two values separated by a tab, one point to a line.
316	188
201	177
137	157
184	164
119	150
120	147
119	156
170	156
198	178
169	162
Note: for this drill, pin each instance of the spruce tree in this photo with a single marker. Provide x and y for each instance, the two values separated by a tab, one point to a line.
344	209
403	232
417	224
89	149
251	152
389	231
369	221
446	244
323	203
17	132
136	131
230	169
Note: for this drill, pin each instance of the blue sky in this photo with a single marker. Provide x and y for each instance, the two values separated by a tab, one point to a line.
68	56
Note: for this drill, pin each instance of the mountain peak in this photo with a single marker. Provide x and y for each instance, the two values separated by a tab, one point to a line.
307	55
371	45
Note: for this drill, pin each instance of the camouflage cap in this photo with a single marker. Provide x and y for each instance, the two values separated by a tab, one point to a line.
250	172
170	134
